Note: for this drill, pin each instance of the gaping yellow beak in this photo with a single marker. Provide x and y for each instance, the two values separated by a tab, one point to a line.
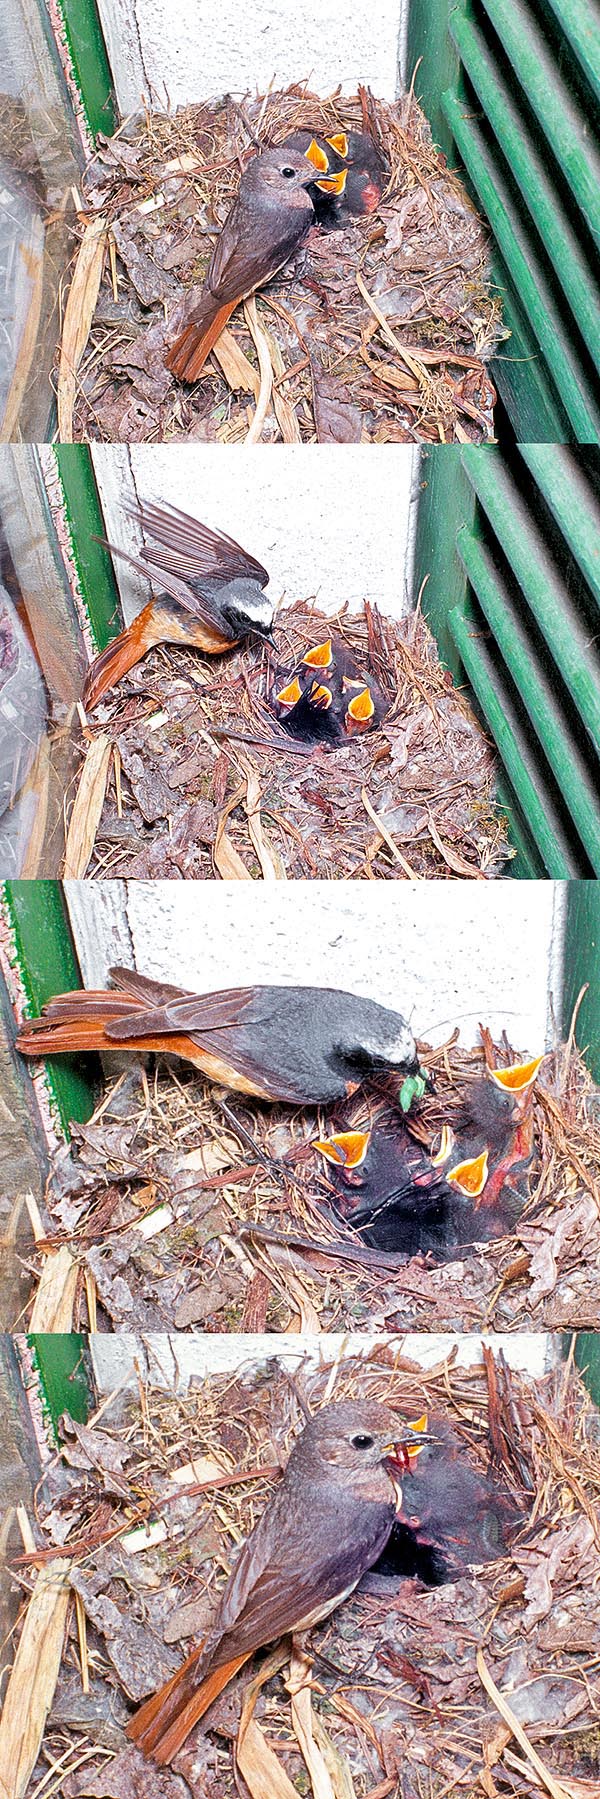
347	1150
447	1141
321	656
470	1176
518	1077
290	695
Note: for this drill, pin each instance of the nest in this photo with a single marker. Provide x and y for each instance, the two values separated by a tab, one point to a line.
413	1687
176	1209
378	332
204	782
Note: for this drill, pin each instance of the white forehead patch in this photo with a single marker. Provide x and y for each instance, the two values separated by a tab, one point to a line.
258	606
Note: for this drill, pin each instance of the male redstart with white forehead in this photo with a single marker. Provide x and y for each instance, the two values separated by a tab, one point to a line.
302	1045
211	594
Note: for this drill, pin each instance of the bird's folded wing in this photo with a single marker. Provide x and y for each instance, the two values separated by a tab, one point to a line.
280	1584
191	550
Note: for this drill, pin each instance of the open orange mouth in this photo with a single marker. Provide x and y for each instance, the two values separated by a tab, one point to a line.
518	1077
290	695
321	656
347	1150
361	709
470	1176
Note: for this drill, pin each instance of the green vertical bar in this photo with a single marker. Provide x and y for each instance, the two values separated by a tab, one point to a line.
60	1359
91	69
430	45
446	502
582	966
83	513
587	1357
45	954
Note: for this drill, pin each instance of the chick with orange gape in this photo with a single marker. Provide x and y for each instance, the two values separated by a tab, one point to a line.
268	221
327	1522
328	697
353	173
301	1045
211	595
470	1188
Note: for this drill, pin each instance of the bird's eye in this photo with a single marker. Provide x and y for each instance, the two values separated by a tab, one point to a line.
361	1442
289	174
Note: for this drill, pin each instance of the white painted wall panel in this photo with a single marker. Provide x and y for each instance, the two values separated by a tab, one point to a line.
336	524
171	1361
442	953
196	48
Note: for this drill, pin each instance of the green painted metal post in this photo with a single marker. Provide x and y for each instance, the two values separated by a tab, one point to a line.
84	40
45	956
98	589
430	45
587	1357
582	968
61	1360
446	501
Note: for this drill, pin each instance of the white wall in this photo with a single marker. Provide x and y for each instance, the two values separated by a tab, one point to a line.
187	50
172	1361
335	524
442	953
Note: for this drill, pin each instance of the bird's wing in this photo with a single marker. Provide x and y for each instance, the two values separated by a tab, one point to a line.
286	1578
189	550
242	260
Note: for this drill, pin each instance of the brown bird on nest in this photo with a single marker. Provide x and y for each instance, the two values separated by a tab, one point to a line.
269	219
326	1523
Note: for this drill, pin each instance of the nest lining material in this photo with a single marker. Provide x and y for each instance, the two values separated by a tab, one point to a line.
413	799
175	1220
146	1507
378	332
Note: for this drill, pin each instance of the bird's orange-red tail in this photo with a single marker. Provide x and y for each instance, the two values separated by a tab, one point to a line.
72	1022
119	656
163	1722
188	354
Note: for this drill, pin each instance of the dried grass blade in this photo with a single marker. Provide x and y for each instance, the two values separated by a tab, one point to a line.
32	1679
385	835
285	413
411	362
451	858
302	1726
260	1767
55	1298
337	1764
266	372
257	1762
79	312
271	866
556	1790
87	810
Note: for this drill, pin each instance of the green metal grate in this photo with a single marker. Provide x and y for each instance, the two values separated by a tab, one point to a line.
512	549
512	90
